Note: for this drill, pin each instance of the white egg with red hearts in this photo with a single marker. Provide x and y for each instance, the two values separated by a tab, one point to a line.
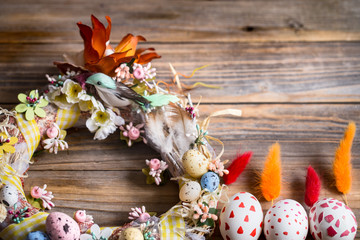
9	195
286	219
190	191
241	218
332	219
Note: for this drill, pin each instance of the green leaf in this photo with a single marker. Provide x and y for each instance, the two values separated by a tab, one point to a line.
158	100
208	222
22	98
40	112
213	210
21	108
29	115
42	103
34	202
34	94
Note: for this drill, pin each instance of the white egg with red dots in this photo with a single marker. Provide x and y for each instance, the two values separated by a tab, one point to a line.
286	219
332	219
190	191
241	218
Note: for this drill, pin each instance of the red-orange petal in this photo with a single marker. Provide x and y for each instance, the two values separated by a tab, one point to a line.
98	36
129	43
108	64
90	55
108	28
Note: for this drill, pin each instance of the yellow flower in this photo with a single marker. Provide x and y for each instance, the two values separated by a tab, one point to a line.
101	117
73	91
6	144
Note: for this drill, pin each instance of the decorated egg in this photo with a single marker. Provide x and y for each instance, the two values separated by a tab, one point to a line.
195	163
286	219
9	195
210	181
61	226
132	234
332	219
241	218
190	191
38	235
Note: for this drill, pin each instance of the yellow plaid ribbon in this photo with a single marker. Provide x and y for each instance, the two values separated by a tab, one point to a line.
31	133
11	178
66	118
21	230
172	227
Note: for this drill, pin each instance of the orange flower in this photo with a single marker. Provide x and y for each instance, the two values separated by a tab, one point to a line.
99	56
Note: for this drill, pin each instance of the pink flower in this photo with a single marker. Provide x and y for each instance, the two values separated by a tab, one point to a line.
122	72
139	73
52	132
156	168
154	164
80	216
139	214
218	167
36	192
132	132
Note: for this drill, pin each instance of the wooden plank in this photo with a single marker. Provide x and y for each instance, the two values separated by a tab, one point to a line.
245	20
308	134
247	72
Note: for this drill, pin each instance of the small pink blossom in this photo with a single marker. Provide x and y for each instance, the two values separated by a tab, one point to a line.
218	167
133	132
202	210
139	214
85	221
44	195
156	168
122	72
52	132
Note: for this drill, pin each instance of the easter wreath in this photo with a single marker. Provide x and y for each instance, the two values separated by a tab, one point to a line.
116	88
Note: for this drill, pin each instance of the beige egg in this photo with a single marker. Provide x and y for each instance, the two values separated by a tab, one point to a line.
190	191
195	163
3	213
132	234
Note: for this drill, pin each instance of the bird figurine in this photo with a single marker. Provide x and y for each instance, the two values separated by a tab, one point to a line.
115	94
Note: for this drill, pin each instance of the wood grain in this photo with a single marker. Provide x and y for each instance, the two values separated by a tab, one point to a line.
247	72
291	66
185	21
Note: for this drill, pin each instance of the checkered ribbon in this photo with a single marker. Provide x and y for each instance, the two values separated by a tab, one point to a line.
172	227
30	132
11	178
66	118
21	230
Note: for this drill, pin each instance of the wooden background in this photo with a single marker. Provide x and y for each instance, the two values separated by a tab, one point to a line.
293	67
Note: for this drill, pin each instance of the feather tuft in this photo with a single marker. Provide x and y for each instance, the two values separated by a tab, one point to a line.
270	179
237	167
342	161
313	186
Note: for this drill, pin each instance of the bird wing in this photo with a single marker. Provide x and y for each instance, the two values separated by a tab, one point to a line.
122	91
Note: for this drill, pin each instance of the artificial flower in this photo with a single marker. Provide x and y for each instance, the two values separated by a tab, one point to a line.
122	72
205	213
19	215
45	196
96	233
7	144
73	91
139	214
103	123
99	56
55	141
85	221
89	103
31	105
217	166
132	133
157	167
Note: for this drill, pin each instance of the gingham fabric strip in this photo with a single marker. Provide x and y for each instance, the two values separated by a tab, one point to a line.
30	131
11	178
172	227
66	118
21	230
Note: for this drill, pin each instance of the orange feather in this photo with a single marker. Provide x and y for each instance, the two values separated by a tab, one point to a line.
270	179
342	161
